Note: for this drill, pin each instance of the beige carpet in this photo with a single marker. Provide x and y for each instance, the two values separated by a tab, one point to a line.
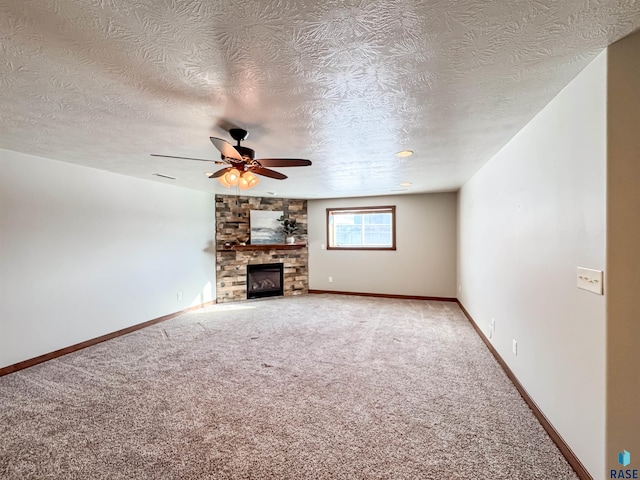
309	387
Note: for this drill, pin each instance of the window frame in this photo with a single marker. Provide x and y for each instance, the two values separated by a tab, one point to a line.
363	210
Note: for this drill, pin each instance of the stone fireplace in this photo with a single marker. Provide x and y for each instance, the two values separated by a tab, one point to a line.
233	258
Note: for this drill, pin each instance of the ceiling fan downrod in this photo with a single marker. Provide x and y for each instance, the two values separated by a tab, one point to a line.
239	135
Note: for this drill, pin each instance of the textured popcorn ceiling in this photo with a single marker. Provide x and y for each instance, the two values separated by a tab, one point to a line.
104	83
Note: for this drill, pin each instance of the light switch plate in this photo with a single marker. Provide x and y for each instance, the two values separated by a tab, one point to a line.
590	280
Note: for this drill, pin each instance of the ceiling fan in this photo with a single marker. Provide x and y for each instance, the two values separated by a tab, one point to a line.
242	166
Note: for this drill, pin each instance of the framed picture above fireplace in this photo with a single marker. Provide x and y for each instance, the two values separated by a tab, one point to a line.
265	227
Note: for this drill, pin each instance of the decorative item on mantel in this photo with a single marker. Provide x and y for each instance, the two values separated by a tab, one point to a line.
289	227
243	239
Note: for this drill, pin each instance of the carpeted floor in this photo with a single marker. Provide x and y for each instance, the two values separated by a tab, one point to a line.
308	387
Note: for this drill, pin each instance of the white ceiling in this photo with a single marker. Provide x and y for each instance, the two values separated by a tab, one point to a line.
346	84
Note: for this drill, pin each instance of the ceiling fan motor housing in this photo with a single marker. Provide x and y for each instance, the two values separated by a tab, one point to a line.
240	134
245	151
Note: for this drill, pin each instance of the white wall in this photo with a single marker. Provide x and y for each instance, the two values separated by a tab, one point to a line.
85	252
527	219
424	263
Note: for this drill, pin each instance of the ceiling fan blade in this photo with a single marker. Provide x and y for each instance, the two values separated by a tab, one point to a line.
226	148
220	172
268	173
283	162
217	162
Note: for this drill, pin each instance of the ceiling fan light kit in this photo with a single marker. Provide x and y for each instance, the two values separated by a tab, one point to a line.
248	180
242	164
230	178
233	178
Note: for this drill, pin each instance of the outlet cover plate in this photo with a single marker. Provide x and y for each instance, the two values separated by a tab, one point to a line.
590	280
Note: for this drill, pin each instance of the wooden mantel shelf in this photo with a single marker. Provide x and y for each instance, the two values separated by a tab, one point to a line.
274	246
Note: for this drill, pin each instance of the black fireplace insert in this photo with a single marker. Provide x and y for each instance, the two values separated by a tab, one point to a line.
265	280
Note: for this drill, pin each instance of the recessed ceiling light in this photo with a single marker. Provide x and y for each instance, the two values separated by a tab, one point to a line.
405	184
404	153
208	174
272	193
164	176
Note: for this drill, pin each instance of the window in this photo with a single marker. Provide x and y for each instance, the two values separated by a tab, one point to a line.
364	228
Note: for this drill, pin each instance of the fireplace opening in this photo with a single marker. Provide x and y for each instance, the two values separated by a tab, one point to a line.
265	280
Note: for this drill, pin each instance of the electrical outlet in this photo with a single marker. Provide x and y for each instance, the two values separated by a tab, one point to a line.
330	279
179	296
515	347
489	332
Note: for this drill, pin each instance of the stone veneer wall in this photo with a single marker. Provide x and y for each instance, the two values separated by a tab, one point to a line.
232	221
